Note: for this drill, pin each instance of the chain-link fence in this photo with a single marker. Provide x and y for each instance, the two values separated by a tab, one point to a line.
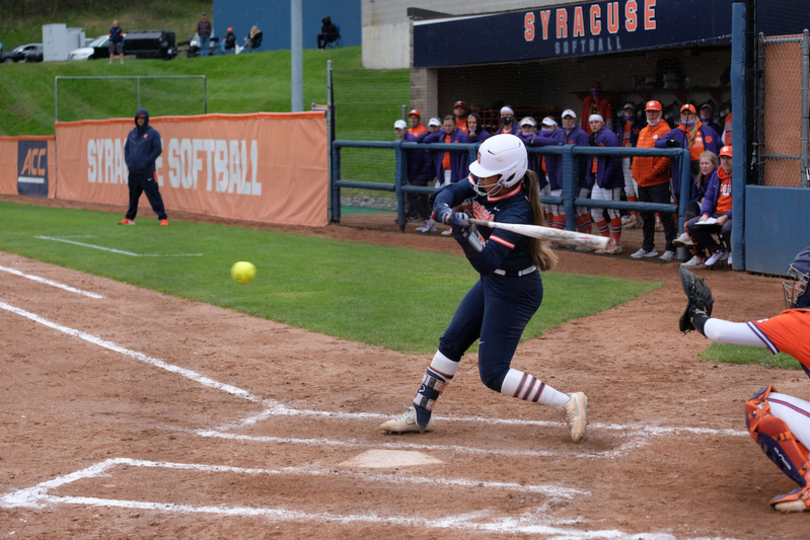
782	112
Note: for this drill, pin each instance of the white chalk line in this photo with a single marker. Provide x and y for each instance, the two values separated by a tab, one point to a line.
189	374
49	282
481	521
119	251
637	437
571	453
279	409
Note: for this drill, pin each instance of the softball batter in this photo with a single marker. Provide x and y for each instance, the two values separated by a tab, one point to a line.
503	300
779	423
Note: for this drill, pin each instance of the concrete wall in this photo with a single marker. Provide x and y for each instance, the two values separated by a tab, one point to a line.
387	30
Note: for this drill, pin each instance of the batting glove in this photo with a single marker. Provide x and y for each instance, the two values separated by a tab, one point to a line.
442	214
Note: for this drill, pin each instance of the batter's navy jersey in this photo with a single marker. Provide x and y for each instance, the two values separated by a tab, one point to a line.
504	249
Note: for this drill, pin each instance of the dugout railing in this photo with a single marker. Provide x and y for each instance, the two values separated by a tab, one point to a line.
570	163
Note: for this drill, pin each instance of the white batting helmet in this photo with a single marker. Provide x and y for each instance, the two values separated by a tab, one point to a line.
504	155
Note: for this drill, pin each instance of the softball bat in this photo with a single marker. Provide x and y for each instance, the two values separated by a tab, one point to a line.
547	233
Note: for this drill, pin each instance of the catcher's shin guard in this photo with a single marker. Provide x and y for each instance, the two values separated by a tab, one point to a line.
775	438
436	379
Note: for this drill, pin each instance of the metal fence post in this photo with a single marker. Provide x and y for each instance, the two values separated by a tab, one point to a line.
139	92
205	97
803	182
335	218
56	98
570	186
399	176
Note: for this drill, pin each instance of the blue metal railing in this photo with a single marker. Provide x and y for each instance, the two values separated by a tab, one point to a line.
570	164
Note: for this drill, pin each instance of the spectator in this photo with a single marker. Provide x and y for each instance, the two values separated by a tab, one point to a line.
716	212
726	137
706	112
253	39
605	177
229	42
693	135
415	119
450	166
596	103
329	32
507	122
708	164
528	127
551	166
475	129
652	174
116	42
434	125
628	129
460	112
204	31
577	136
419	173
142	148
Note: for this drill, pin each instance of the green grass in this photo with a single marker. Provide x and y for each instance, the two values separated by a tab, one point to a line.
367	102
397	298
178	16
739	354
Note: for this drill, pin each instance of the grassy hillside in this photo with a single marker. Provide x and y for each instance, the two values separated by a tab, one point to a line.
367	101
178	16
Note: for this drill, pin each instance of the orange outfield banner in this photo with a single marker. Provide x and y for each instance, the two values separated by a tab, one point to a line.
268	167
28	166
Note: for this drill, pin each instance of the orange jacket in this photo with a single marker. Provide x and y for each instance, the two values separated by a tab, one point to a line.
651	171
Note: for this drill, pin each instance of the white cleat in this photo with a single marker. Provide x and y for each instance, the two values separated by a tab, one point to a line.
405	423
574	415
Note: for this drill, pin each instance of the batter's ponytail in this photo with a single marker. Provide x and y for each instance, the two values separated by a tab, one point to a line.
543	256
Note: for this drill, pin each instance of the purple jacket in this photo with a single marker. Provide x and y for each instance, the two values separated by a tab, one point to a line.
515	129
578	136
420	165
712	193
459	161
553	161
608	168
711	142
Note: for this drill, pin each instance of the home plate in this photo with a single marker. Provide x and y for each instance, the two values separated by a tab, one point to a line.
382	459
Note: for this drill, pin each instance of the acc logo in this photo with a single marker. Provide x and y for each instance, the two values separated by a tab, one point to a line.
32	168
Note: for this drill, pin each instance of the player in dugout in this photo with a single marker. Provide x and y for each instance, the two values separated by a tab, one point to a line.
507	295
779	423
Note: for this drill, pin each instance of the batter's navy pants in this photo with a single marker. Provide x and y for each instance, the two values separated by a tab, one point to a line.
144	183
495	310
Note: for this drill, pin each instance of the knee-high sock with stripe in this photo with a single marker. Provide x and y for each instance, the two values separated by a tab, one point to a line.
524	386
616	228
436	379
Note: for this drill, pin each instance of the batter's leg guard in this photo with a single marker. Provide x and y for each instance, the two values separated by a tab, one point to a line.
780	445
436	379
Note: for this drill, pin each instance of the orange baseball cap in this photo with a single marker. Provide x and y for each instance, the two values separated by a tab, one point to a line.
653	105
416	112
726	151
689	107
459	103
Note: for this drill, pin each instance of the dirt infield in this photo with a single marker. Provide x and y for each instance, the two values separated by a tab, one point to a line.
141	415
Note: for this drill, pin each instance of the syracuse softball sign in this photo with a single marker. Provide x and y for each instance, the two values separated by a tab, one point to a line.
268	167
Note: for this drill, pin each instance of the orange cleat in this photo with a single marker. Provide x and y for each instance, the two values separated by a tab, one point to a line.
127	221
164	222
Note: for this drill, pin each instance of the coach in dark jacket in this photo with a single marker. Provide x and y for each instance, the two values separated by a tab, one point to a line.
141	150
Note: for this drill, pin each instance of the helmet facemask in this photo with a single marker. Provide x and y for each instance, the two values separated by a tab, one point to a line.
796	290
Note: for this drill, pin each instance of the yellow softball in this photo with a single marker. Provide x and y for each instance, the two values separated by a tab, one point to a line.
243	271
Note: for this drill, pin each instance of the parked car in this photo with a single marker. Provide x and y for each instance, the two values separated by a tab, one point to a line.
150	44
98	48
30	52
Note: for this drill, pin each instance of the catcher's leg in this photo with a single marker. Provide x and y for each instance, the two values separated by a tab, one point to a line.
779	443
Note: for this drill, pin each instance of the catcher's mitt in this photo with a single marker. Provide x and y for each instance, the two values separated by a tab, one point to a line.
699	298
